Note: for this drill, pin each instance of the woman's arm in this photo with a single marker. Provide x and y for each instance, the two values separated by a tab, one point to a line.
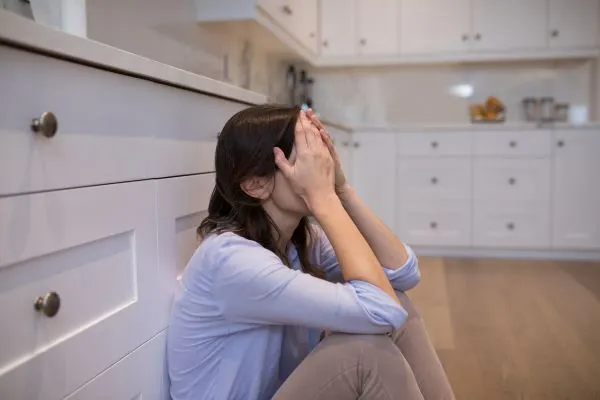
255	287
312	177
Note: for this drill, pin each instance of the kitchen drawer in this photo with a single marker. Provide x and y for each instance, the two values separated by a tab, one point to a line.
434	178
182	204
512	179
434	144
140	375
445	223
512	225
96	249
111	127
526	143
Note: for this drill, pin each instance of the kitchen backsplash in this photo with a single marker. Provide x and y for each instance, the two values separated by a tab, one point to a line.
441	94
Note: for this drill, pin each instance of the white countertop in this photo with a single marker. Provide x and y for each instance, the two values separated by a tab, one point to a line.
481	127
22	32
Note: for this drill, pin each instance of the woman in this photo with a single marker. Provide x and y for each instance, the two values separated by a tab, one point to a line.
266	281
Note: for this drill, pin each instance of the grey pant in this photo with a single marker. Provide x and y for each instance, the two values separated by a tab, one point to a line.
372	367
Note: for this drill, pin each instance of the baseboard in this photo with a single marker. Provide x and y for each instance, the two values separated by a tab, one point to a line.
508	254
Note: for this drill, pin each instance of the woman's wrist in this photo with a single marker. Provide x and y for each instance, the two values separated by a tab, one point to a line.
321	203
344	192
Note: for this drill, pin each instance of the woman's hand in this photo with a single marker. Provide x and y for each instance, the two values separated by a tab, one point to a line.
341	184
312	174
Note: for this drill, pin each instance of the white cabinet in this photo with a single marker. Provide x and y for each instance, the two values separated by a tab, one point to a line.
182	204
95	250
435	26
573	23
377	26
140	375
509	24
304	24
576	186
338	28
373	173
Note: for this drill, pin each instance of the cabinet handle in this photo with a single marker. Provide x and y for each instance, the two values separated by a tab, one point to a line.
287	10
311	35
434	144
46	124
433	225
345	144
478	36
510	226
363	42
560	143
434	180
49	304
325	43
512	181
555	33
465	37
512	144
356	145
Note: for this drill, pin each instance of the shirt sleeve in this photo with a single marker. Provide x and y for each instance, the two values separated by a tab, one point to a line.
404	278
254	286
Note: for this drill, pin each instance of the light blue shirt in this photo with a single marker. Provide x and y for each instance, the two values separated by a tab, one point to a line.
243	320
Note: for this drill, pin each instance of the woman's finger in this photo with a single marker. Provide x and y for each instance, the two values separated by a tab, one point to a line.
314	119
329	143
300	135
309	133
283	163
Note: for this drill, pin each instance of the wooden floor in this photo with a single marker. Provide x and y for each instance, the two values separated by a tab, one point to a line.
514	329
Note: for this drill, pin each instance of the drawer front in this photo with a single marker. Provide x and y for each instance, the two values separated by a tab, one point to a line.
515	225
182	204
140	375
434	144
436	224
510	179
96	249
434	178
111	127
536	143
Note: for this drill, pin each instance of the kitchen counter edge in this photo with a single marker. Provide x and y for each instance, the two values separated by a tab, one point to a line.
18	31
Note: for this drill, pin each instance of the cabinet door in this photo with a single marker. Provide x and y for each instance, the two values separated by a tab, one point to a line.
574	23
93	249
140	375
182	204
377	22
338	28
509	24
576	189
374	172
305	22
433	26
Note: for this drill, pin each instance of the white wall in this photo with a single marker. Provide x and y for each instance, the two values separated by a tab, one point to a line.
423	94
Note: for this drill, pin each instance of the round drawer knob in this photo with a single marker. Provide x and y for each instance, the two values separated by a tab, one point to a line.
512	144
510	226
434	144
433	225
512	181
434	180
48	304
46	124
561	143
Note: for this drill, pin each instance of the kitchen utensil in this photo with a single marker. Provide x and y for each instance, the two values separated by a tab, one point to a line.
561	112
546	109
531	109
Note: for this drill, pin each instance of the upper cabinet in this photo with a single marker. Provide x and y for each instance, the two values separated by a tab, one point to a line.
337	33
509	24
304	24
430	26
338	28
377	22
573	23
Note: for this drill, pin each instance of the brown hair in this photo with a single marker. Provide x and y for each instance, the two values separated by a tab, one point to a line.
244	150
